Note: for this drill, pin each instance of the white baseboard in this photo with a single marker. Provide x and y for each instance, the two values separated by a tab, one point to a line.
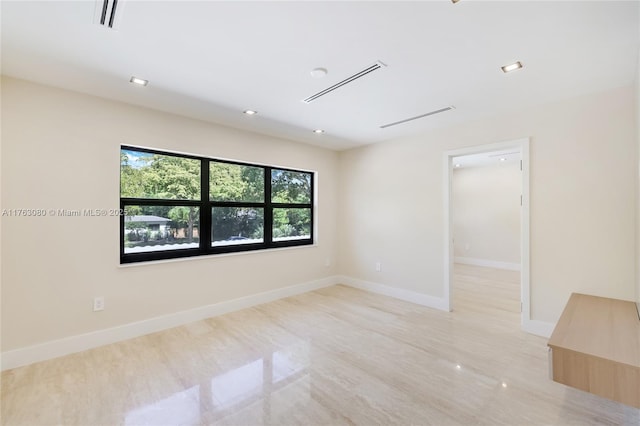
539	328
56	348
398	293
81	342
488	263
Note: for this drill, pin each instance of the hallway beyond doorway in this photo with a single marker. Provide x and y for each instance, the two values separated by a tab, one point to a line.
485	292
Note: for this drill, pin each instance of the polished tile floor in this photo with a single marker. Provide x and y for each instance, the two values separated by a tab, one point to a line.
333	356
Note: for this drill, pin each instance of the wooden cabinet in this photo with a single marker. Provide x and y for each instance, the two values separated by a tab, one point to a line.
595	347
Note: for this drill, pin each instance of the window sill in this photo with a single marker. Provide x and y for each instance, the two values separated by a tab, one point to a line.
214	256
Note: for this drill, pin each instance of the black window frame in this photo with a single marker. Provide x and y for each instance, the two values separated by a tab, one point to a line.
205	205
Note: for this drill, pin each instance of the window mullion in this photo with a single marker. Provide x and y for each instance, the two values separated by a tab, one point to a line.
312	198
268	208
205	207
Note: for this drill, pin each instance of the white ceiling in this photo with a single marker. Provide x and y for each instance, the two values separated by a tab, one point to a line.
212	60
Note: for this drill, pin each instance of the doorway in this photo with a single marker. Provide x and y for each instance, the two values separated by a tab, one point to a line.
511	152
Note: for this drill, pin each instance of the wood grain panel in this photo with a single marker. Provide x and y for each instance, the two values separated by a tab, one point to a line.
596	348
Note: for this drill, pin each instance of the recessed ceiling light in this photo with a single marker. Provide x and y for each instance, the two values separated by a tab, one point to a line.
318	131
457	164
250	112
511	67
504	385
503	159
140	81
318	72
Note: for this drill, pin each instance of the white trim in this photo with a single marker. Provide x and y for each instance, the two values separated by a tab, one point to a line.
487	263
81	342
397	293
211	257
539	328
523	146
56	348
448	231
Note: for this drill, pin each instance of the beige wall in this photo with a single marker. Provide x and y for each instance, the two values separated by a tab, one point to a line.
486	212
60	149
582	196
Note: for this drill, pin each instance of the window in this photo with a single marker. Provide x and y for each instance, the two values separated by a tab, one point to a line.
178	205
237	204
291	201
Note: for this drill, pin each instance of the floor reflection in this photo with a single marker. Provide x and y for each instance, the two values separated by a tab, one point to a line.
259	387
180	408
238	385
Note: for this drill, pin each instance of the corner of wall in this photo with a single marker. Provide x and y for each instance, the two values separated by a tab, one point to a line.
637	122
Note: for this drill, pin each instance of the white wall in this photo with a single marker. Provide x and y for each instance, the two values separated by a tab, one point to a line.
60	149
486	214
582	196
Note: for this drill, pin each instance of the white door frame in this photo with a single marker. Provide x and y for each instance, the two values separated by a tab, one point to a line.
523	146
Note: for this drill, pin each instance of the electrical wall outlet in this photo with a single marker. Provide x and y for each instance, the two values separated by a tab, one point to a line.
98	303
327	262
378	266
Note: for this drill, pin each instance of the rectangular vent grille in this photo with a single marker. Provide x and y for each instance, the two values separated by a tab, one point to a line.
108	13
347	80
438	111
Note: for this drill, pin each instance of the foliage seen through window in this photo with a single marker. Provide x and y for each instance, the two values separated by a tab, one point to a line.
179	205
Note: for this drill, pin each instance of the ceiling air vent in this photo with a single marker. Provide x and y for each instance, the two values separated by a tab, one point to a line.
378	65
108	13
438	111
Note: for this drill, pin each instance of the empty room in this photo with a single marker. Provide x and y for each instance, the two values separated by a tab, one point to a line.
320	212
